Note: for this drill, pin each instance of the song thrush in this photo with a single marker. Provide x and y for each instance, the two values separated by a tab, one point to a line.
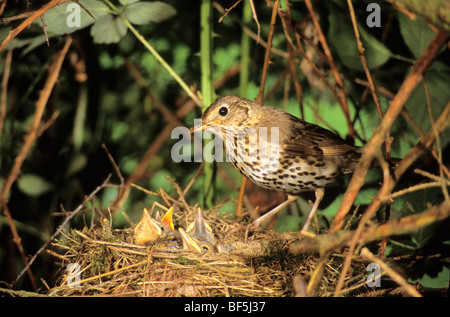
277	150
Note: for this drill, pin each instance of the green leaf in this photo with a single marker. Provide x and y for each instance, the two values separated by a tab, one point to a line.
439	281
77	163
70	17
342	36
33	185
27	44
437	83
416	34
376	53
127	2
108	29
144	12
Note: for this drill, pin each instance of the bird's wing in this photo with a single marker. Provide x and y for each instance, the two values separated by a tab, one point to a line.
308	139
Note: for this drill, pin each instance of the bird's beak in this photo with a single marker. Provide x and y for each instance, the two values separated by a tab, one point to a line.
199	227
167	218
147	230
197	128
202	127
188	242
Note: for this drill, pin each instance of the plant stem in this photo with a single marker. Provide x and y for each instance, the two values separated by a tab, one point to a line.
207	88
245	52
152	50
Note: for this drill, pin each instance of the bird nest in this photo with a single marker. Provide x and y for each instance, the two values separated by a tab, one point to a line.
102	261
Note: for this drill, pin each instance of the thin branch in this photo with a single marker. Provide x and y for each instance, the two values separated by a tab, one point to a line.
228	10
31	16
438	142
363	59
374	144
328	243
286	20
35	14
5	79
366	254
389	183
260	96
44	26
52	78
61	227
40	106
341	92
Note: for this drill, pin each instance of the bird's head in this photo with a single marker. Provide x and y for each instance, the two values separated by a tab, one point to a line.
227	112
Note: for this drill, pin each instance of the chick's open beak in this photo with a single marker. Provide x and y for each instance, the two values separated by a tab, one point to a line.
167	219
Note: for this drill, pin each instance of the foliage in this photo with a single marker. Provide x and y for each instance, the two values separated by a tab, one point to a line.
111	88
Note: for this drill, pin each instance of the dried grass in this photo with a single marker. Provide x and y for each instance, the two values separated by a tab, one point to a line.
258	264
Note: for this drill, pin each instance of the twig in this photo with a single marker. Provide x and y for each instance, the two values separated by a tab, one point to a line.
35	14
363	59
61	227
228	10
40	106
286	19
5	79
192	181
158	57
327	243
438	142
429	175
368	75
385	188
15	17
116	168
180	194
262	84
44	26
324	244
341	92
407	117
390	181
413	189
374	144
260	96
254	36
255	17
29	140
365	253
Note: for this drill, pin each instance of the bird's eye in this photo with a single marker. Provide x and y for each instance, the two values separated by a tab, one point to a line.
223	111
205	247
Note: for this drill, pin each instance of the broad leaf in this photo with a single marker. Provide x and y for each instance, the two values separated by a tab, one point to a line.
416	34
108	29
70	17
33	185
144	12
342	36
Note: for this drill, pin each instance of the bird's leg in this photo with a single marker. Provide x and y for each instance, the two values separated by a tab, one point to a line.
319	192
274	211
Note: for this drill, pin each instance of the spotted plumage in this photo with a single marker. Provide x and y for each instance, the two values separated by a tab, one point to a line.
277	150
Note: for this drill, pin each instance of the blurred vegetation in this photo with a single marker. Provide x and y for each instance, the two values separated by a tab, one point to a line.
114	91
